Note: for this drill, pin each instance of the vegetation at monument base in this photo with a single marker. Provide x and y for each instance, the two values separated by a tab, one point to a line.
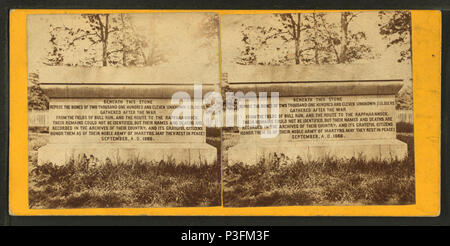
130	184
134	183
327	182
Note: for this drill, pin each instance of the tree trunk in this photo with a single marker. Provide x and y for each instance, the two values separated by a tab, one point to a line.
297	51
344	27
105	55
124	47
297	40
316	43
105	41
124	55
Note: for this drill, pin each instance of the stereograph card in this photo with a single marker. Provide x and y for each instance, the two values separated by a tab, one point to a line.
221	112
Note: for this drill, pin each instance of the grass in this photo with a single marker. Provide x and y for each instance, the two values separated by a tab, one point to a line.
131	184
327	182
142	184
35	141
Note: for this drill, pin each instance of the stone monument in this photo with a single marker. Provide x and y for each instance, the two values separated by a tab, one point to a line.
122	114
341	111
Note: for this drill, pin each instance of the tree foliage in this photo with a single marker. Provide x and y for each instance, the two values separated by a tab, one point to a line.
100	40
304	38
404	99
37	100
396	28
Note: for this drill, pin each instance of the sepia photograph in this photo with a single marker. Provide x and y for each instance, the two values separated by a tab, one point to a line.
101	132
141	110
338	88
164	114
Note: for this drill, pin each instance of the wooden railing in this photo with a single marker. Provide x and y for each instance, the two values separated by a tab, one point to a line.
405	116
38	118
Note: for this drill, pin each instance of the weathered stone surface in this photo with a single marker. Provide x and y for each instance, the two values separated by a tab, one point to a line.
330	118
176	153
187	74
120	91
123	115
340	111
344	88
118	121
238	74
288	153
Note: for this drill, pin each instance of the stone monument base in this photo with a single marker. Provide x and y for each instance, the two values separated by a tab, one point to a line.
384	150
177	153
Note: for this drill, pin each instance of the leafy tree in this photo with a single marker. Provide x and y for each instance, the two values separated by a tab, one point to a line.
304	38
98	40
395	26
404	99
257	38
37	100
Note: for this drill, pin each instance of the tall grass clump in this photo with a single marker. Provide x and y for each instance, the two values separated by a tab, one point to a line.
127	184
329	181
326	182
